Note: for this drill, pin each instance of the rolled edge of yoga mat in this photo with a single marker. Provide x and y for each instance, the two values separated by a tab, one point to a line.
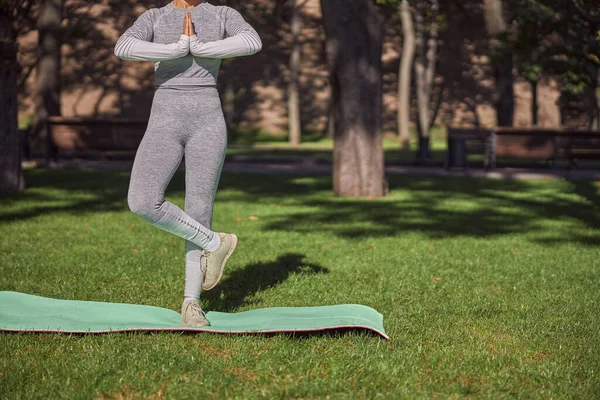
21	312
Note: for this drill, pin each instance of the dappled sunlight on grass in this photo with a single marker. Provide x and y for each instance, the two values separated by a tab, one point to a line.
488	288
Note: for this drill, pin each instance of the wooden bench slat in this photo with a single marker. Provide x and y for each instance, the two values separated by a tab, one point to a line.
529	143
80	133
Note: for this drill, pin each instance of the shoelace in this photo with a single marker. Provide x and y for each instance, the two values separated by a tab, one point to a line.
204	263
207	255
196	310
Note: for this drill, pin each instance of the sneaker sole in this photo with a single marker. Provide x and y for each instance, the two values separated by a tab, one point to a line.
229	253
183	323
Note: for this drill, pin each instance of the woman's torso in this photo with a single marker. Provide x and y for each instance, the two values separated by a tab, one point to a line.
189	70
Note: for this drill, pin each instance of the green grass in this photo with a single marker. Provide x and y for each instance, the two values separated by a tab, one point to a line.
257	143
265	145
488	288
251	136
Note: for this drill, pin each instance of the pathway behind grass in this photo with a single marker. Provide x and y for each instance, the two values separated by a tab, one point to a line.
488	289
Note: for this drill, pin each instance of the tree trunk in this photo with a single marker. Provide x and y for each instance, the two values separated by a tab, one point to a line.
354	45
534	103
11	174
47	102
502	60
431	57
596	123
278	9
229	107
420	60
505	107
425	73
408	54
330	118
293	86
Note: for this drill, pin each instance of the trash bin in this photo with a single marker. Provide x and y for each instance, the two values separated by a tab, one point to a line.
457	152
423	152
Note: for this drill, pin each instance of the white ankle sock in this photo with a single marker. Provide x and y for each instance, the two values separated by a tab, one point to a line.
214	243
193	272
189	298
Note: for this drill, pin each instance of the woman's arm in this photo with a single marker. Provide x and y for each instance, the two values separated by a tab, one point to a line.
242	39
136	43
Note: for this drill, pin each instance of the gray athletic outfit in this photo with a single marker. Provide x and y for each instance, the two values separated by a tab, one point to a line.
186	118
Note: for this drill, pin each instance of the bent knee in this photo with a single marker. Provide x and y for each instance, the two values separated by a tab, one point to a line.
142	207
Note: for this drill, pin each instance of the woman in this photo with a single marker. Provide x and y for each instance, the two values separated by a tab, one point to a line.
186	119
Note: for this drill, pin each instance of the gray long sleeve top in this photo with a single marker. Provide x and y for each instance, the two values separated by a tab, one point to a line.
180	60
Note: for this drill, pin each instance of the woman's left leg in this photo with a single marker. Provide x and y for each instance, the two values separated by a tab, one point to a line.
156	161
204	156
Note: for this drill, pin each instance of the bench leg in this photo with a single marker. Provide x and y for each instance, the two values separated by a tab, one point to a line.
489	159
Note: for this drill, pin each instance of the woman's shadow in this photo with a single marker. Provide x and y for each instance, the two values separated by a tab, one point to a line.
242	283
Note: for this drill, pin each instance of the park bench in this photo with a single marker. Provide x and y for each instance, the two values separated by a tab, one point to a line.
103	134
549	145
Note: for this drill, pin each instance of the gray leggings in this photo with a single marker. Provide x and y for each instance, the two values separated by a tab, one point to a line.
188	122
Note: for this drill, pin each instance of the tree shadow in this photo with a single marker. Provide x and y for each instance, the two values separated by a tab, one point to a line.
100	85
234	290
438	207
465	74
67	190
588	191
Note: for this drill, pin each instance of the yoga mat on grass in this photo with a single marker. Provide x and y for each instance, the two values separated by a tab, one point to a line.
21	312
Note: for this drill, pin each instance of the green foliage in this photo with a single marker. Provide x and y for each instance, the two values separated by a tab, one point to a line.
77	29
532	73
574	83
553	37
26	122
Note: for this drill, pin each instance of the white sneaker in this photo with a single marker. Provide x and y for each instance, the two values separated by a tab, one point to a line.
192	314
213	262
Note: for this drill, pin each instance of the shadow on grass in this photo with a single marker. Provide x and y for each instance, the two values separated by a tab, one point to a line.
67	190
234	290
435	206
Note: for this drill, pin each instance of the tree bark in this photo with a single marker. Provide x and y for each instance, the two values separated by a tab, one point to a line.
420	60
425	65
11	174
330	118
425	72
534	103
505	107
354	33
47	101
406	61
596	123
502	60
229	107
293	86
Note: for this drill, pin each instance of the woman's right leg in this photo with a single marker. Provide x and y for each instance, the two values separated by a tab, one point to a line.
156	160
204	157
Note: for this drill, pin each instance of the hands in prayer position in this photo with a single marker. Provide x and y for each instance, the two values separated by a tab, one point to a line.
238	39
188	26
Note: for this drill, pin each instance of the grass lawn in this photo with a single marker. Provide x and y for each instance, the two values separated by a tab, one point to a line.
488	289
260	144
315	145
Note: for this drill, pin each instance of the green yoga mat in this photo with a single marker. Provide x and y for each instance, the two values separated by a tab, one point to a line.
21	312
